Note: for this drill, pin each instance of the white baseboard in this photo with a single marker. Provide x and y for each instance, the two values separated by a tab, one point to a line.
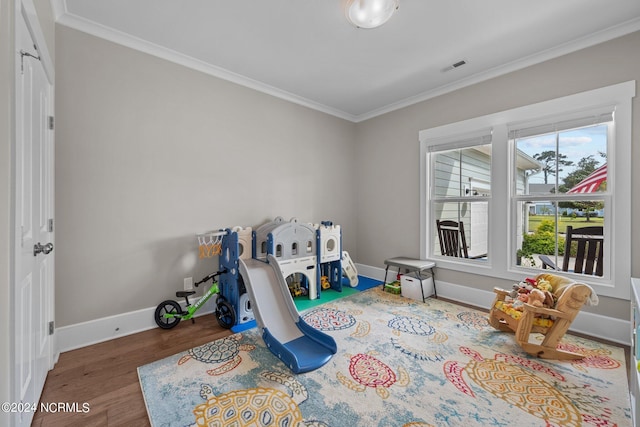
594	325
95	331
371	272
99	330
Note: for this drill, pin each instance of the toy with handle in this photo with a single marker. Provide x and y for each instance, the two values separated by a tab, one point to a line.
169	313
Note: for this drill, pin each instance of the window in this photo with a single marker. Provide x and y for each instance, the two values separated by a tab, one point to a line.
518	179
460	190
564	190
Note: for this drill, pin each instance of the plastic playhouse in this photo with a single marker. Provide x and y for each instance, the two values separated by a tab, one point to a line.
266	267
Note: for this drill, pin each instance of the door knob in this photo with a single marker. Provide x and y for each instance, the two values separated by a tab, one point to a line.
45	249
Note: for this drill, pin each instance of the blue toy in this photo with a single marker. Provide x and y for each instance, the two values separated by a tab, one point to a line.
254	268
301	347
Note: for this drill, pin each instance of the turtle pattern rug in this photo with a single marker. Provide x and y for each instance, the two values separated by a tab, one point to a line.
399	363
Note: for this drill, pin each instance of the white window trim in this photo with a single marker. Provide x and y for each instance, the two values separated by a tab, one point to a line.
501	245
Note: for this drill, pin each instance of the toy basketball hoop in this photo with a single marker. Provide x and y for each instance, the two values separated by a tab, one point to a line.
210	243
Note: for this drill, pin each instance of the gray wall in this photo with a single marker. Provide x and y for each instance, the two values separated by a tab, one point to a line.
148	153
47	25
389	143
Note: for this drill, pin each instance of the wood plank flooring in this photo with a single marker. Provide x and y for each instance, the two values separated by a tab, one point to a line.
105	375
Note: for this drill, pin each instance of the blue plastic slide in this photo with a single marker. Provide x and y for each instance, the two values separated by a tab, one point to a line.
301	347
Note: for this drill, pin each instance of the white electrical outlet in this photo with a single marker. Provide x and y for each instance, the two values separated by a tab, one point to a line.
188	284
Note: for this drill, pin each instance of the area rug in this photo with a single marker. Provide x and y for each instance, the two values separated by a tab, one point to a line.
399	363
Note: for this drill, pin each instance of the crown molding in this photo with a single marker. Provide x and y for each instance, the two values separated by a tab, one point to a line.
127	40
63	17
555	52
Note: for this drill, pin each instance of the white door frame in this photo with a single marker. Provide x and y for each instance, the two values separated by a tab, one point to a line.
22	254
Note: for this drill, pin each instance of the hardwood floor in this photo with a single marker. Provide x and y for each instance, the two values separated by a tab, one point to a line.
105	376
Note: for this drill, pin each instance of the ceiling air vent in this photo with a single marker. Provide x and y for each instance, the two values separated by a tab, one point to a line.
455	65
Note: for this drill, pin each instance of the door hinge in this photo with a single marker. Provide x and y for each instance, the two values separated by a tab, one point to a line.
51	122
51	327
50	225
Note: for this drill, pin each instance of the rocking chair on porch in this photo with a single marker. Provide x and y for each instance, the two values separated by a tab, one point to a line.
570	297
588	242
453	241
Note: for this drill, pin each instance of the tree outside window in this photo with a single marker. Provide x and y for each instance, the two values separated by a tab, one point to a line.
549	200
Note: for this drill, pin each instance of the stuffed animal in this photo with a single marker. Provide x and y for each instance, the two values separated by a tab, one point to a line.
544	285
518	304
549	299
517	289
536	298
557	282
514	291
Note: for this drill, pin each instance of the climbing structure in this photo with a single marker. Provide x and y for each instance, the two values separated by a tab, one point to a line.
311	252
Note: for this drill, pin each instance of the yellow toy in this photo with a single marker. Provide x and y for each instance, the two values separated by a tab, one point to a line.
295	289
324	282
544	285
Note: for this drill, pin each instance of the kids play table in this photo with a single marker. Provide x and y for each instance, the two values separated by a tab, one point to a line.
411	265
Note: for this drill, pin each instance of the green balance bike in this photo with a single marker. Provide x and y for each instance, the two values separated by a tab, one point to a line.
169	313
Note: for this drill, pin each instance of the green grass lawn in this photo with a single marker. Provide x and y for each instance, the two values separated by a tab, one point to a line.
535	220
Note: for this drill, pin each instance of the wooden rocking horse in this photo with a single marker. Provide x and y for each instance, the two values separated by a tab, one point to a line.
553	323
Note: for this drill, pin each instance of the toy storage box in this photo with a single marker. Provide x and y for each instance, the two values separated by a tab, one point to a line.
411	287
393	287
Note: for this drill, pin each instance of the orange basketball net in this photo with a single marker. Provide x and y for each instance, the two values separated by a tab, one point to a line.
210	244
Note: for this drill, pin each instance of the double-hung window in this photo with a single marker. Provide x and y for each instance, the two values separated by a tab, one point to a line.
565	191
460	193
522	181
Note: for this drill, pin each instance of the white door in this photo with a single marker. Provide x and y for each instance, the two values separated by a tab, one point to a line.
33	287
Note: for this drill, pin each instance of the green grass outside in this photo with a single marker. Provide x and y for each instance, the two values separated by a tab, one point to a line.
535	220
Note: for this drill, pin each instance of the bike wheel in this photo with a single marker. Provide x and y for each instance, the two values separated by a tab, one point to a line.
167	307
225	314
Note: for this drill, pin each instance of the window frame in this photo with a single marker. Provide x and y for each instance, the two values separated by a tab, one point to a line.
479	138
501	249
606	196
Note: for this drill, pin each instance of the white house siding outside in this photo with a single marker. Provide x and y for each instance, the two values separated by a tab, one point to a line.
467	173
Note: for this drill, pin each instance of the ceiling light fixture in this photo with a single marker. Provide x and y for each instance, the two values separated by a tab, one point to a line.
370	13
